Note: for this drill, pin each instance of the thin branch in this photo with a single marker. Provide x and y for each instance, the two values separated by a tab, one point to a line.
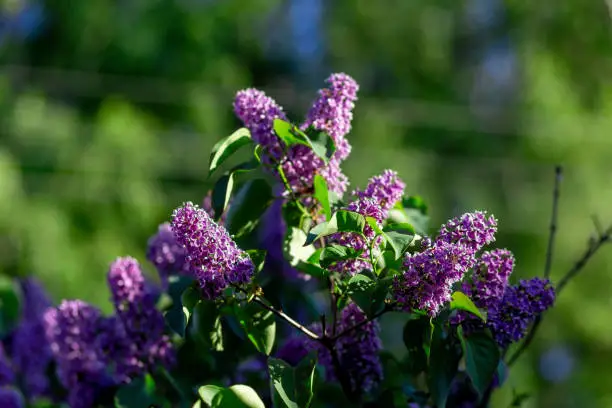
591	250
553	222
578	266
286	317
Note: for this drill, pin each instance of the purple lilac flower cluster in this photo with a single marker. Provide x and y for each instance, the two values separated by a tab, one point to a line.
386	189
72	330
510	318
428	277
146	345
357	351
331	112
94	352
214	258
31	354
375	201
11	398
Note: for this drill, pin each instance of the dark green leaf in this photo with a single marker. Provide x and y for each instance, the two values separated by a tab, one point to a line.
368	293
140	392
227	146
341	221
481	359
10	304
400	227
460	301
303	258
259	326
175	315
415	202
248	205
399	242
328	147
258	256
443	364
518	399
205	325
189	299
293	387
334	253
322	195
417	334
221	194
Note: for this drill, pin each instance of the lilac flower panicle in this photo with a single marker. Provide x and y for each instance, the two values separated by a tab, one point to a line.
215	259
510	319
368	208
386	189
145	344
257	112
332	112
166	254
31	354
11	398
473	230
428	276
7	376
337	181
71	330
490	278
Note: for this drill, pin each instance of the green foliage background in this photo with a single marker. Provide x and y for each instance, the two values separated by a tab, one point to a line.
107	119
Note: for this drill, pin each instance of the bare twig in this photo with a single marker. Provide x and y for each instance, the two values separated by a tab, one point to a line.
553	222
547	266
286	317
606	236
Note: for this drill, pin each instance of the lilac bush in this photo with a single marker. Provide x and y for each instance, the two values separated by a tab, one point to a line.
271	291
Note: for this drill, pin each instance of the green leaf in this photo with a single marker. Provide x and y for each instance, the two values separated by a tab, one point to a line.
207	393
287	133
237	396
10	304
205	325
415	202
222	193
399	242
293	387
303	258
322	139
481	359
443	364
189	299
140	392
368	293
259	326
341	221
226	147
334	253
460	301
321	193
258	256
403	227
417	335
248	205
175	316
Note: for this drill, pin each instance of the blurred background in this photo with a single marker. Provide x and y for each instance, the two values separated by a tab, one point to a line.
108	111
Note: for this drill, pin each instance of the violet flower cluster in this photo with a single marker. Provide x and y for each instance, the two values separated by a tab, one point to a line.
31	354
509	319
94	352
357	350
331	113
214	258
380	195
428	277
